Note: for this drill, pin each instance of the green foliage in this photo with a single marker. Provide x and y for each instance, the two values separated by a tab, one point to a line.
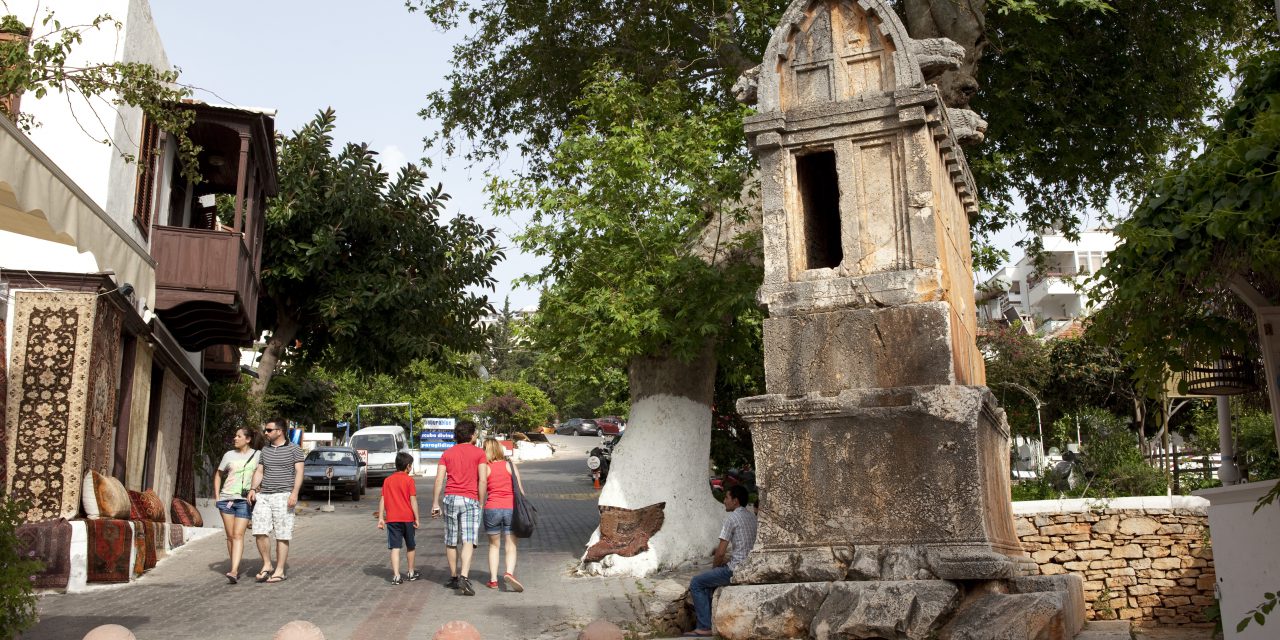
1255	440
39	67
1164	287
1086	373
230	406
618	215
533	410
1084	104
1259	613
1041	488
1083	98
1112	460
361	267
1014	359
302	396
18	610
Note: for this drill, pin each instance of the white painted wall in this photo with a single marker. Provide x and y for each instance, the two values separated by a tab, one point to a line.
71	132
1246	555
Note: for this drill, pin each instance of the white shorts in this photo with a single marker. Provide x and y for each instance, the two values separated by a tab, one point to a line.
271	514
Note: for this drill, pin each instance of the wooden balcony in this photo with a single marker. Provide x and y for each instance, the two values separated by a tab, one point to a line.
206	286
207	273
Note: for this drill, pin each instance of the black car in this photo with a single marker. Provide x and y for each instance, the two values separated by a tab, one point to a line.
578	427
336	469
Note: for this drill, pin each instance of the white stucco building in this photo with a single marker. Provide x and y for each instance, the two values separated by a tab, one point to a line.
1049	299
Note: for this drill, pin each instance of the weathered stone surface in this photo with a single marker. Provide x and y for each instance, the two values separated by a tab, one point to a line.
810	564
1029	616
893	610
1140	525
909	439
751	612
829	352
1070	587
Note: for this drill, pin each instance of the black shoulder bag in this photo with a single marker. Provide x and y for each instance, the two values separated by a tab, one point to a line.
524	515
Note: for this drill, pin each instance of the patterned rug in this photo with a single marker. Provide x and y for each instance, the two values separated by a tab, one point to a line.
175	536
109	544
139	547
149	546
4	397
50	543
161	539
48	393
104	368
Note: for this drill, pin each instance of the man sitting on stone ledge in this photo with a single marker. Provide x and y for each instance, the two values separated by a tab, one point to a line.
737	537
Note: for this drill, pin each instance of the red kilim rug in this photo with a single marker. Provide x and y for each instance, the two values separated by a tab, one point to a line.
139	547
109	544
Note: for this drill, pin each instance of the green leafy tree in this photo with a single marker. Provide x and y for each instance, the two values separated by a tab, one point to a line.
533	410
1015	358
35	63
360	268
636	216
1165	287
1084	98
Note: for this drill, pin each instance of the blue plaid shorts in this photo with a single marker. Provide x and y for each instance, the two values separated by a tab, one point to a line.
462	517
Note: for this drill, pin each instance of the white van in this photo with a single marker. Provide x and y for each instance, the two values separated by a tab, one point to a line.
382	443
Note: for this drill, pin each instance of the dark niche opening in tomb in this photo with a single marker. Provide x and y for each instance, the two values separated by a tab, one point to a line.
820	197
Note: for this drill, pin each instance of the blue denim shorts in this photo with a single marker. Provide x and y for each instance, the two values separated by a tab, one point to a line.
239	508
497	521
401	533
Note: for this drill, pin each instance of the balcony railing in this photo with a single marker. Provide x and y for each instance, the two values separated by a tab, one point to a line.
206	286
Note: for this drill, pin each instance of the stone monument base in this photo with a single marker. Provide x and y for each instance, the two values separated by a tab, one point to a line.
912	480
1026	608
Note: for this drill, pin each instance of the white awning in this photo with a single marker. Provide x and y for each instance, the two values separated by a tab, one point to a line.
38	200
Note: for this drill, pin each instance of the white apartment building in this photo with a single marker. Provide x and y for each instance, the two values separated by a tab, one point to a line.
1047	300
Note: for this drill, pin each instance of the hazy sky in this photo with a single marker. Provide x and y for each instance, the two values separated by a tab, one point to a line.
372	61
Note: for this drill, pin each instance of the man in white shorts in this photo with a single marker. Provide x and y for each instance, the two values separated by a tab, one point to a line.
276	483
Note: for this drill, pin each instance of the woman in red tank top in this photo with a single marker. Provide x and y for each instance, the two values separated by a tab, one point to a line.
498	505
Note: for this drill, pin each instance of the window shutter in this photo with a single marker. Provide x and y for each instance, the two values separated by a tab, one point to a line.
144	197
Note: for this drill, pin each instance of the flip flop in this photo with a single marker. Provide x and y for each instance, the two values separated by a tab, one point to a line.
697	633
262	576
276	579
232	578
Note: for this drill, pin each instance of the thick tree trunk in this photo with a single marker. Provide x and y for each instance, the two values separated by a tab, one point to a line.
962	21
285	332
664	457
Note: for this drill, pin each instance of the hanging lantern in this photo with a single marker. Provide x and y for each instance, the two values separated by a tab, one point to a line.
1229	375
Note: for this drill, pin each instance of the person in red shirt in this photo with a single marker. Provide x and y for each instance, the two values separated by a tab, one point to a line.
462	474
398	513
498	506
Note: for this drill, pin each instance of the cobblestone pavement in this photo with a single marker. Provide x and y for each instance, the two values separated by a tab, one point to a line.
338	578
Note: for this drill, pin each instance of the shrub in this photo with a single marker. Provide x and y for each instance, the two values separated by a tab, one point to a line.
17	599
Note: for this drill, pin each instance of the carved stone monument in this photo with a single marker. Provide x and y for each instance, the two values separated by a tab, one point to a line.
883	463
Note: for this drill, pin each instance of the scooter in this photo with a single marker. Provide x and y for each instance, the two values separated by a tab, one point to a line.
599	458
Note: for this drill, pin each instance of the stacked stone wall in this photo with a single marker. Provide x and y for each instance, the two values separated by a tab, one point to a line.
1147	560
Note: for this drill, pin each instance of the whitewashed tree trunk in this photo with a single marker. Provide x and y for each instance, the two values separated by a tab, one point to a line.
664	457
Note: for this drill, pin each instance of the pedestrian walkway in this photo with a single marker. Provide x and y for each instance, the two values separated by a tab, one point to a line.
338	579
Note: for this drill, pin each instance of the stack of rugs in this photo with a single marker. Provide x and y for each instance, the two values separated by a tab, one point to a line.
127	534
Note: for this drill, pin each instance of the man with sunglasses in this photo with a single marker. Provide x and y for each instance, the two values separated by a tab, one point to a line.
276	483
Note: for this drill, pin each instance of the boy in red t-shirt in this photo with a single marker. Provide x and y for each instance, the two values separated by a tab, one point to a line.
462	473
397	510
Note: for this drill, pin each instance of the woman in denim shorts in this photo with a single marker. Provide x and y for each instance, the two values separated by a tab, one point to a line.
231	484
498	505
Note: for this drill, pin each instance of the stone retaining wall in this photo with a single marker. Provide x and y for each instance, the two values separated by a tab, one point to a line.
1147	560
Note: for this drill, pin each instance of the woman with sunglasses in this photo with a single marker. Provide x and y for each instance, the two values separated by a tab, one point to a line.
231	483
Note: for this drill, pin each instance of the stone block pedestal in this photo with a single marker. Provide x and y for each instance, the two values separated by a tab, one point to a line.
904	483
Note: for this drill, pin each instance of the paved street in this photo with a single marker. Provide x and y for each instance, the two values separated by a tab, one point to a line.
338	578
